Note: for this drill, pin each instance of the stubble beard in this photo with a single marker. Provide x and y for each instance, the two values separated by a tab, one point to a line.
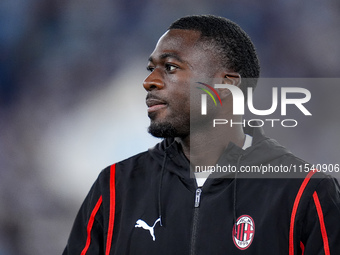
162	130
166	129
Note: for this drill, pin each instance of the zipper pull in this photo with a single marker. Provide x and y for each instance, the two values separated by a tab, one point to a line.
198	197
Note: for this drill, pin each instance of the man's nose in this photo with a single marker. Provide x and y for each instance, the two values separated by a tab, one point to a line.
153	81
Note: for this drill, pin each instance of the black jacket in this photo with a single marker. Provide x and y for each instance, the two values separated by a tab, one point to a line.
148	204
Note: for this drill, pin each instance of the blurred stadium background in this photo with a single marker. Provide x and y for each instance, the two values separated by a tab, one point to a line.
72	102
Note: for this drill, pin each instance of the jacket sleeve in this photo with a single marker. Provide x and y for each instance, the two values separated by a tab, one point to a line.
321	231
87	232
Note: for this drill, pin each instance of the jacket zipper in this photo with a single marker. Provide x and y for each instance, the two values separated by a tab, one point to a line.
195	221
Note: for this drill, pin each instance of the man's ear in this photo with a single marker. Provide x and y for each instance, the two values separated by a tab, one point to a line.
231	78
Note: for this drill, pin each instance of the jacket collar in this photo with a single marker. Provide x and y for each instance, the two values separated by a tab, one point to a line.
263	150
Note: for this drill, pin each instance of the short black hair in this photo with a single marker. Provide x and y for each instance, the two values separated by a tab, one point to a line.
233	46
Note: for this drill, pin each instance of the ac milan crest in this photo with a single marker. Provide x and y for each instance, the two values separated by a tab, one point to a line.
243	232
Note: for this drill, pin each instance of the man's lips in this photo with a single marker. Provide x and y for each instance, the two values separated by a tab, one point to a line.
155	104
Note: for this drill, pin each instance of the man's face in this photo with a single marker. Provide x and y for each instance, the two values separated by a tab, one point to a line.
176	62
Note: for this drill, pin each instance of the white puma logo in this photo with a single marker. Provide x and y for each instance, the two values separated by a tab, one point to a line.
141	224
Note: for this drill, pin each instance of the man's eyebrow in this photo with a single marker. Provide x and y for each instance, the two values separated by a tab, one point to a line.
167	55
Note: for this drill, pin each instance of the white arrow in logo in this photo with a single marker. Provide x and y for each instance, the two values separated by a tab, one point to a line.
141	224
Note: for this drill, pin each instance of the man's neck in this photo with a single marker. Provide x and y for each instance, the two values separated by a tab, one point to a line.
204	147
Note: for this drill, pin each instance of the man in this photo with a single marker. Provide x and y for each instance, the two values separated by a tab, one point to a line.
150	204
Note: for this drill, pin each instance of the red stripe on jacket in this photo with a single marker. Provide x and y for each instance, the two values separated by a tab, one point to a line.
295	207
322	223
90	225
302	248
112	208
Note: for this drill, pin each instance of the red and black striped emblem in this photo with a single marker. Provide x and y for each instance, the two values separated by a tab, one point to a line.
243	232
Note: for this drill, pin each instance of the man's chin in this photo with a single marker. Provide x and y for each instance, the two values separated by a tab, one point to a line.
162	130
